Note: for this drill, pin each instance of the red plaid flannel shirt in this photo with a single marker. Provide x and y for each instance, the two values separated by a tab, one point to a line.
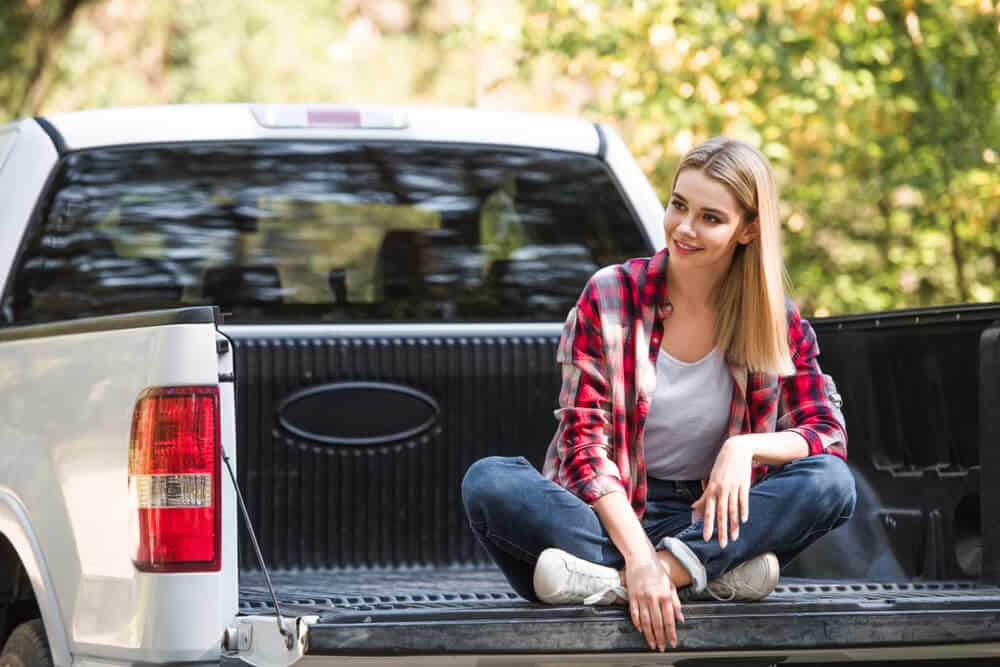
607	353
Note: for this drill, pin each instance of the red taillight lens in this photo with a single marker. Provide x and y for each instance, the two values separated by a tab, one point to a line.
174	475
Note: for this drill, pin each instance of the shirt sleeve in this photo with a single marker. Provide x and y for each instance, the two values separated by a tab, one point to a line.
585	406
809	403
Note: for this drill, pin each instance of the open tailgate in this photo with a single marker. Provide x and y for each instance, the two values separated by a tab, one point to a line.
455	612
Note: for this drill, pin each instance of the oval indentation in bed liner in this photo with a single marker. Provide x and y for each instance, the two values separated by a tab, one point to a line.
358	414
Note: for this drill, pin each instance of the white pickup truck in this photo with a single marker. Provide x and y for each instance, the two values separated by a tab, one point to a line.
340	309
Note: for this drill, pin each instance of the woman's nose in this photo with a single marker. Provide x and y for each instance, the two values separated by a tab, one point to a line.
685	225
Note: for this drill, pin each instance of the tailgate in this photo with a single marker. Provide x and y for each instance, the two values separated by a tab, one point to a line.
473	611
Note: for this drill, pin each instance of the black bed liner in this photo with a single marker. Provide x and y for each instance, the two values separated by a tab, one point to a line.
437	611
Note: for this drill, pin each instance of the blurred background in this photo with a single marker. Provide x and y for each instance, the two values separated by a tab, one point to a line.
882	118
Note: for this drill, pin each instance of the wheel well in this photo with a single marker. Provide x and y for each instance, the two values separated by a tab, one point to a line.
17	598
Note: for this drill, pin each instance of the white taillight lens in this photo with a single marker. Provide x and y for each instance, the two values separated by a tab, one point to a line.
191	490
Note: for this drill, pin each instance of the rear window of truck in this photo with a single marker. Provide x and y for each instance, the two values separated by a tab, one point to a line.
298	231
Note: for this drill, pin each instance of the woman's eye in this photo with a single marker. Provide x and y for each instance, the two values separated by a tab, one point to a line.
712	218
678	205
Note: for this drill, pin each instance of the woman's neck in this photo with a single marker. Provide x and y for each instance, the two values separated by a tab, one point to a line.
692	289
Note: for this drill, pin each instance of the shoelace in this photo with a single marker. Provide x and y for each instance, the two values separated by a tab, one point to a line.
723	586
582	580
728	592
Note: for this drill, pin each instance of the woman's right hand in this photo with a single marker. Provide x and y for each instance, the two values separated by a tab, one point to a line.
653	602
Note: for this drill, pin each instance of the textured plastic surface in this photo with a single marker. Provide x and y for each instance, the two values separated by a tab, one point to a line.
989	443
910	385
910	397
355	595
459	611
317	505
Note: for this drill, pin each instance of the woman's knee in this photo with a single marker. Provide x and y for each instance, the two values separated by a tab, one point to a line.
831	483
488	481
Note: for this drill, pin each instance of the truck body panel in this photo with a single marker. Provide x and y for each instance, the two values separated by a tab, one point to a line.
235	122
16	528
71	390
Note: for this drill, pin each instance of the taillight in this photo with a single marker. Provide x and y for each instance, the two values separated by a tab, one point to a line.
173	479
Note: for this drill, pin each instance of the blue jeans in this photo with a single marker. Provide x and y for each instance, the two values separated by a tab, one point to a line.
516	514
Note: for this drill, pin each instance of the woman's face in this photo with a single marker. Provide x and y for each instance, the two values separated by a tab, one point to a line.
704	222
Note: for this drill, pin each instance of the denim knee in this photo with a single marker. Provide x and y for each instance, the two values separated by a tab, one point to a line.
484	483
831	483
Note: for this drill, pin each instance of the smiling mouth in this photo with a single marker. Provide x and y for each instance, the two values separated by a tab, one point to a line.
684	246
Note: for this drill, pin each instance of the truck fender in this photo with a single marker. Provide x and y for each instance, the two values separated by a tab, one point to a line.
14	525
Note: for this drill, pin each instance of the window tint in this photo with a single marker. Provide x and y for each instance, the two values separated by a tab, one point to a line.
312	232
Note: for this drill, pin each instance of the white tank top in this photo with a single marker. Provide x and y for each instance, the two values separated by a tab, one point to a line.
688	416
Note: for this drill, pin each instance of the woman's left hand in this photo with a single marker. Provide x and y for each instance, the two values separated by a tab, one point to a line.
725	502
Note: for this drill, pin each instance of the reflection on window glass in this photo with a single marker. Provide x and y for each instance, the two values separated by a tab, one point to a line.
311	231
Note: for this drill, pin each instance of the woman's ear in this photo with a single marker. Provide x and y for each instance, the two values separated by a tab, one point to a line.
749	232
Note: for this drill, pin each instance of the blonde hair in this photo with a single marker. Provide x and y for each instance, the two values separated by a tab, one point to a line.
752	326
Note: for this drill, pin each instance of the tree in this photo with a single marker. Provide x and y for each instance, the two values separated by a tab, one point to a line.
31	32
882	119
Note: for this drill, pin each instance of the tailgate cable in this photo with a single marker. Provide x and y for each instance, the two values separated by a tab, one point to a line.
289	637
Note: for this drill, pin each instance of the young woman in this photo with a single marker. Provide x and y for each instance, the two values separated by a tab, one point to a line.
699	444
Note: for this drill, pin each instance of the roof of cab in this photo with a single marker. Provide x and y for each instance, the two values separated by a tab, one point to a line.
234	122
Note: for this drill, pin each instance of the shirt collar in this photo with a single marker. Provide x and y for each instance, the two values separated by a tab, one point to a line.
656	281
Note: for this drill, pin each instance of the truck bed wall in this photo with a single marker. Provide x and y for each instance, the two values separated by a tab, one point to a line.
910	385
989	449
398	503
909	382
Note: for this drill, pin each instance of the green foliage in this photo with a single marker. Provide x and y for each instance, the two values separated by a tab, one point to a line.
135	52
882	118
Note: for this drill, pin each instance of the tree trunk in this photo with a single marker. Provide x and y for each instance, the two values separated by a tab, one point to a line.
945	166
39	78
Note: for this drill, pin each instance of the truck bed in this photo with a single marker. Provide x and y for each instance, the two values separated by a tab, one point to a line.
339	526
473	610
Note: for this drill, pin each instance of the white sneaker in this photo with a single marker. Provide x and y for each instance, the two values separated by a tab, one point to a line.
562	578
749	581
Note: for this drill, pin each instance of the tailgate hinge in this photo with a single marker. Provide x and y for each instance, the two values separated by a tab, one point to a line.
223	349
256	640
